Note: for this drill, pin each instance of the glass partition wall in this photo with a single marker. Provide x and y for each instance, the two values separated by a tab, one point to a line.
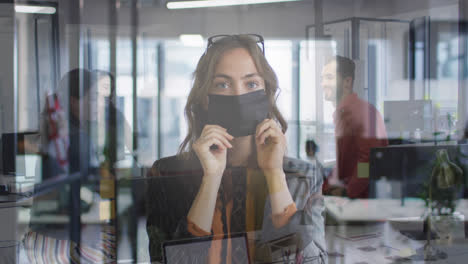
379	48
93	94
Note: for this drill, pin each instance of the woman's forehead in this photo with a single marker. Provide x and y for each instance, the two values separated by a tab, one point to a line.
236	63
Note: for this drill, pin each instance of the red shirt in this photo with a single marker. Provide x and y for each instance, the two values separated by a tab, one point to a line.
358	128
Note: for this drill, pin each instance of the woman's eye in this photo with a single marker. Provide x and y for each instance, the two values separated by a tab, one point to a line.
252	85
222	85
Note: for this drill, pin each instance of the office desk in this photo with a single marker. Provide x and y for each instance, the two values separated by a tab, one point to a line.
368	231
387	246
374	210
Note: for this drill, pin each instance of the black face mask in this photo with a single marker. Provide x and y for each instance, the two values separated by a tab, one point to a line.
239	114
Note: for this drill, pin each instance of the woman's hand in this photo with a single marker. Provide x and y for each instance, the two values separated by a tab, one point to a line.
213	159
271	146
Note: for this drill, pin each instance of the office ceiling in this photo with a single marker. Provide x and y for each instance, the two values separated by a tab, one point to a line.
280	20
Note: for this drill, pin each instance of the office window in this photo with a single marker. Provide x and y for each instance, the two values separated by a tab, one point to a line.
100	54
124	90
315	114
279	55
444	90
179	63
99	59
36	68
147	94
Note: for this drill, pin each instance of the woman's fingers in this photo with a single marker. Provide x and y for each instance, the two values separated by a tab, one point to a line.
268	129
224	143
221	136
266	124
215	128
270	134
214	135
213	160
202	145
213	141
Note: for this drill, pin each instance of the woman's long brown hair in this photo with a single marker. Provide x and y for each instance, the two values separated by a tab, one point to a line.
195	109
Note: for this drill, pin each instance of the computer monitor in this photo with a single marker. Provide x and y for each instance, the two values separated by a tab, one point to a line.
9	143
20	162
408	116
16	148
405	168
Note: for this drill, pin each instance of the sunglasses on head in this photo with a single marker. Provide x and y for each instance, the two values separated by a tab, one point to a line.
257	38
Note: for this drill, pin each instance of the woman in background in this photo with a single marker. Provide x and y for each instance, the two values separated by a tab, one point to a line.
68	148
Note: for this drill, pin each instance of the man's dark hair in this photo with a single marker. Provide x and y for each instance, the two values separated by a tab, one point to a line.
345	67
466	130
311	147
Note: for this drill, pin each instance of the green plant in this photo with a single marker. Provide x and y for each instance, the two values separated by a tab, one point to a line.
439	194
446	180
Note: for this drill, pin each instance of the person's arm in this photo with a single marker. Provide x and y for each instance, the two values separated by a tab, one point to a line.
278	190
271	148
282	204
200	216
213	161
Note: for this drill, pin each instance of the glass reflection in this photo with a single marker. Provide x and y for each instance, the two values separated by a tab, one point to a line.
72	181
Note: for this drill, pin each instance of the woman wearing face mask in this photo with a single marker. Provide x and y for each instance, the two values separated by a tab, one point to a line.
231	174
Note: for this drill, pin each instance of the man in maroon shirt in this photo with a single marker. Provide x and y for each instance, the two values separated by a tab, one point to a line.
358	128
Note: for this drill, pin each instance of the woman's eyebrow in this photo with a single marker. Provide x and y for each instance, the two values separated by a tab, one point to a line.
220	75
250	75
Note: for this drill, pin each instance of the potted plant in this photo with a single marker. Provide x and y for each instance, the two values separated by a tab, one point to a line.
440	194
